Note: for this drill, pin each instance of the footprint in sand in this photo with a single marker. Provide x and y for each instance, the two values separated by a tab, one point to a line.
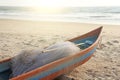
64	77
42	40
109	43
115	41
103	45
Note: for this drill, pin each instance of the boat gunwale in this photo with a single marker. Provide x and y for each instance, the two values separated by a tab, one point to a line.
53	64
5	60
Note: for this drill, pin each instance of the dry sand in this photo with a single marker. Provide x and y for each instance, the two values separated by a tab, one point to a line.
16	35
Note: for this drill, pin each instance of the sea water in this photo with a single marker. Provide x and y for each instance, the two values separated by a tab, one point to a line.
104	15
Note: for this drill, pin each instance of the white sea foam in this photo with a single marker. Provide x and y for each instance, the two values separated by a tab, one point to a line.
104	15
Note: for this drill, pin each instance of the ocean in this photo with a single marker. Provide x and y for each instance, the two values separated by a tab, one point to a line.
100	15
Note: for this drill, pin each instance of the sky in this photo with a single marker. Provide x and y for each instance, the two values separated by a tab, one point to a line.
59	3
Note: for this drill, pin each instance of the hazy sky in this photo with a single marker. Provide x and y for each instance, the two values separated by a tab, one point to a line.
59	3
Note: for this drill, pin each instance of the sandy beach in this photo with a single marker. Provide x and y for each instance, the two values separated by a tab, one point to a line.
17	35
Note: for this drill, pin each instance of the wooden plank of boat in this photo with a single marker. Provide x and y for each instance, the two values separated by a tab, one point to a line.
64	65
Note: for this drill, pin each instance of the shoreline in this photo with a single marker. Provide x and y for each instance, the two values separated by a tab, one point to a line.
97	22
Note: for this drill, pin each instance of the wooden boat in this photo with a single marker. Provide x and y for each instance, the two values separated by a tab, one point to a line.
58	67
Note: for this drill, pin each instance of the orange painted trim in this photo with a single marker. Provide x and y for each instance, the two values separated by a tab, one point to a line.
5	60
